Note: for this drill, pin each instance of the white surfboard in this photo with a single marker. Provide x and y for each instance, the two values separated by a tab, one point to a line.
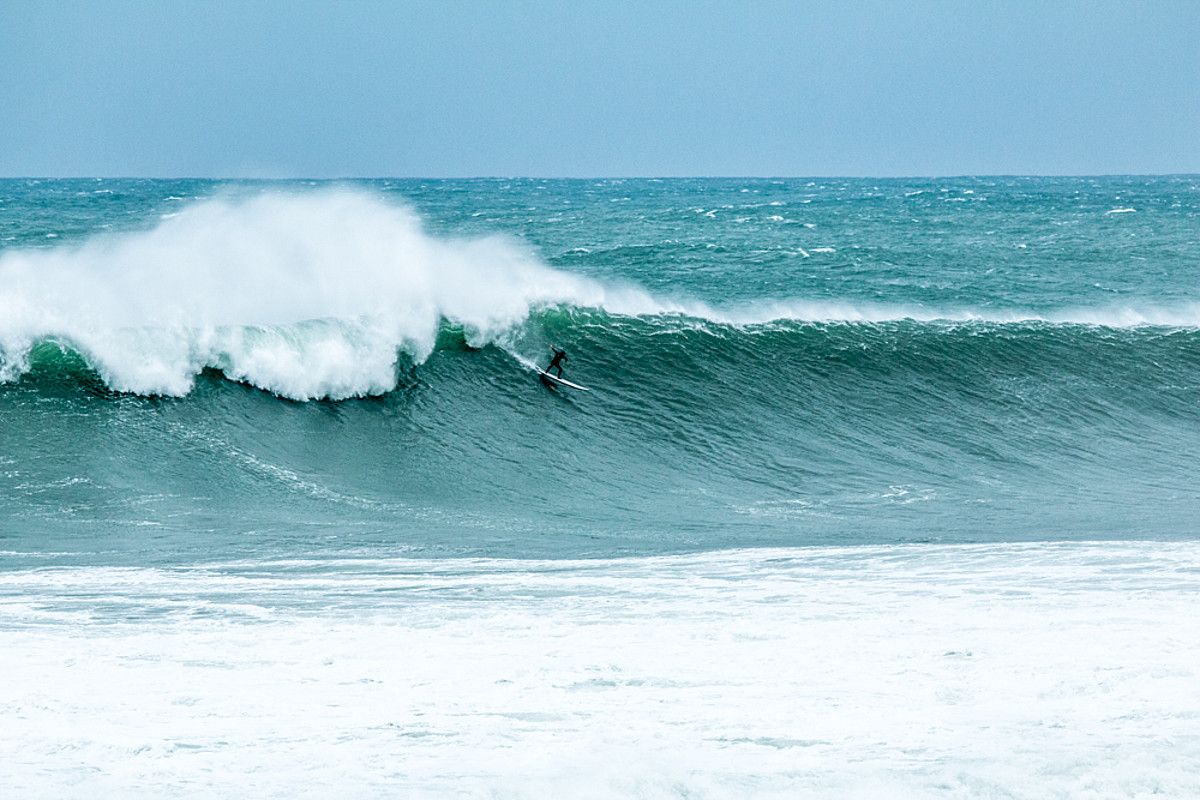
560	381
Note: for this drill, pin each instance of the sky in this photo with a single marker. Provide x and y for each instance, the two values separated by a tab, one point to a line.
185	88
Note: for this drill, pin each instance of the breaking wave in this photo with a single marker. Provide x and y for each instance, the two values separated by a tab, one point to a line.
330	294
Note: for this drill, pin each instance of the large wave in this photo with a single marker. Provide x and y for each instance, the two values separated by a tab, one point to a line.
323	294
306	295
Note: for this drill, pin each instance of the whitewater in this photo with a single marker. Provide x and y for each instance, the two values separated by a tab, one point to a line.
1020	671
885	488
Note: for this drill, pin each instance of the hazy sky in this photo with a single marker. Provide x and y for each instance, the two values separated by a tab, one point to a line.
325	89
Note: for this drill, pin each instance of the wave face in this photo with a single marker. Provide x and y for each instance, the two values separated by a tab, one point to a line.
773	363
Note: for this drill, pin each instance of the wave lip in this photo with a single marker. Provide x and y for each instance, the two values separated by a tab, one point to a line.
765	312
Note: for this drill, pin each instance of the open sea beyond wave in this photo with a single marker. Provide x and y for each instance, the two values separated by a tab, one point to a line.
896	473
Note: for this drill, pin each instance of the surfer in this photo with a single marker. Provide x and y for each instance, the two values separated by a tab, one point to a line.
556	362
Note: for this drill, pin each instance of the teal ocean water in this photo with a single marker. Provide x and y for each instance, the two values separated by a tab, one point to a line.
194	367
884	488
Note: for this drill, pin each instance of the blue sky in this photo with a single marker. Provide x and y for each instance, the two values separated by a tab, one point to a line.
322	89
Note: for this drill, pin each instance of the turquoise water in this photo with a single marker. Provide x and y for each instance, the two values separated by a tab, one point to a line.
884	489
196	369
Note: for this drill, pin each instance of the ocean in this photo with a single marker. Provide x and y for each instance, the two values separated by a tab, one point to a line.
884	488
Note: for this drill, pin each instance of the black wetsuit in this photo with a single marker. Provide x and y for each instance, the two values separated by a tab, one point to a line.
556	362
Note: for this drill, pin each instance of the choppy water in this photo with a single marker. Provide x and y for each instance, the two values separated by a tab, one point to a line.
239	412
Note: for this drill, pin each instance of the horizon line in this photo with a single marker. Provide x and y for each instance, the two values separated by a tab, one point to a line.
946	176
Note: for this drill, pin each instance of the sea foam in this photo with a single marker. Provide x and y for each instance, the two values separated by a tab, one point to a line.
918	671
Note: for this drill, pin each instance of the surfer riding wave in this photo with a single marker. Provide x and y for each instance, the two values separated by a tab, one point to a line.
556	362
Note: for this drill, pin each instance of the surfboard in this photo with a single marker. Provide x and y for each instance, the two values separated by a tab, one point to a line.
554	380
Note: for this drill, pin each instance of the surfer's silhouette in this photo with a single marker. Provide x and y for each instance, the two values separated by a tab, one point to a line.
556	362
